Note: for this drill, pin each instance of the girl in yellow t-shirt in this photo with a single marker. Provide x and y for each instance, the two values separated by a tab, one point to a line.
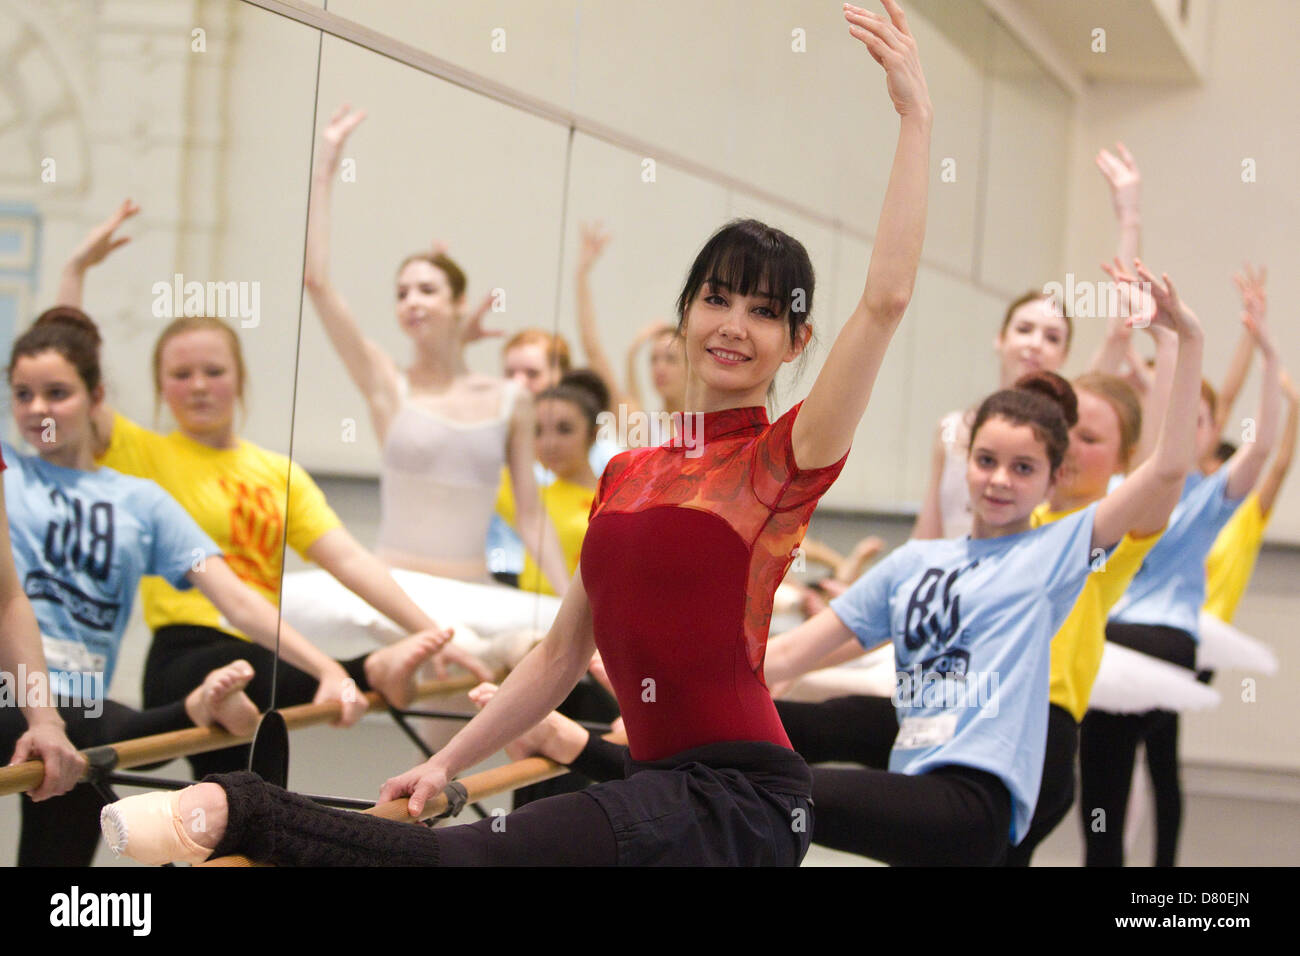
248	500
566	430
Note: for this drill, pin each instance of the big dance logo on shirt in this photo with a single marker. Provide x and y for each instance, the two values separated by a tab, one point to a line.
79	541
934	662
255	527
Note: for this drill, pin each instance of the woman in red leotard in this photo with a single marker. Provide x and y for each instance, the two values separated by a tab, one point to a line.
711	520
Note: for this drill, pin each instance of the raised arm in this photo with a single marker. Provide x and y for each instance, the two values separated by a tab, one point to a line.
593	240
532	523
534	688
929	520
370	368
1251	287
1155	396
633	394
1125	182
1272	483
1142	503
94	248
830	414
98	243
1246	466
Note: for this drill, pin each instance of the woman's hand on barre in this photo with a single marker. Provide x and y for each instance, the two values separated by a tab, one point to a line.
419	783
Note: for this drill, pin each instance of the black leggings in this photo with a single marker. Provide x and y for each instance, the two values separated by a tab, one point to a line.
181	657
953	816
1108	749
64	831
729	804
1056	793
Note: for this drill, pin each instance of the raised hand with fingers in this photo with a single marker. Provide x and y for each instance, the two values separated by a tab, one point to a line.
890	43
1124	179
335	135
100	241
1171	312
594	239
1137	306
471	325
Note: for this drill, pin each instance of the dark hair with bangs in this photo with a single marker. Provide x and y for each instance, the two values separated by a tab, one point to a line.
751	258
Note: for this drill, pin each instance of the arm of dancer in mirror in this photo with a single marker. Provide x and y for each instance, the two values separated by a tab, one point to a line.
358	570
929	520
1253	299
21	652
632	394
830	414
534	688
532	523
371	369
1272	483
592	242
1142	503
94	248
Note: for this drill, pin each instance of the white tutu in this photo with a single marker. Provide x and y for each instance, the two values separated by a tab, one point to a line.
1130	682
871	675
1223	647
496	624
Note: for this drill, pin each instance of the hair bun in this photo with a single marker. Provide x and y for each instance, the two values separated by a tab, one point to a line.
1053	386
70	317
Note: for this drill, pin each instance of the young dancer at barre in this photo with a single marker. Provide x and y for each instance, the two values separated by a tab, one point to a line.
674	587
239	494
966	778
83	536
445	432
1158	616
538	361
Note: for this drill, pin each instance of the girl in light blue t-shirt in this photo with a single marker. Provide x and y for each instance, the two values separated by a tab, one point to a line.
83	536
972	620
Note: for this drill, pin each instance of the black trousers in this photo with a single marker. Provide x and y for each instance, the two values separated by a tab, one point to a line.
182	655
955	816
737	804
1108	750
64	831
1056	794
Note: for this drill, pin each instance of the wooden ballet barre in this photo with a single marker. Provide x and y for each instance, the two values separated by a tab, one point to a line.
197	740
512	776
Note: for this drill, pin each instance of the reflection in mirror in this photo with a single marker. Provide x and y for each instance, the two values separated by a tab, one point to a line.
431	269
153	178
